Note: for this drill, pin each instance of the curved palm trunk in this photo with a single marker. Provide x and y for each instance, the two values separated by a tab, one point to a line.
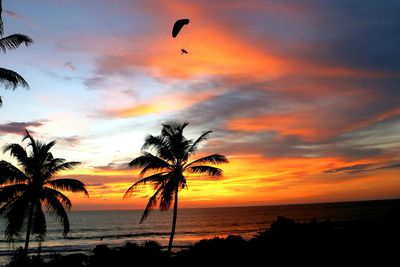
171	238
28	230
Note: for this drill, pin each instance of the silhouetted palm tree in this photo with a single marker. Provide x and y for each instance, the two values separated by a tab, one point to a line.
10	78
27	189
169	165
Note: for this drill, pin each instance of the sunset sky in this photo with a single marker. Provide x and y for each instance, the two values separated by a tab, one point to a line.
303	97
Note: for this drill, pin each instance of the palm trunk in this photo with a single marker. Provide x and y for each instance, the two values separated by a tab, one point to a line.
28	230
39	248
171	238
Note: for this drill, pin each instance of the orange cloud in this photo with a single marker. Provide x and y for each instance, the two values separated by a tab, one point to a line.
284	124
167	103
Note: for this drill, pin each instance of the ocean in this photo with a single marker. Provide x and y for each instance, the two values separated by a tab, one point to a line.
114	228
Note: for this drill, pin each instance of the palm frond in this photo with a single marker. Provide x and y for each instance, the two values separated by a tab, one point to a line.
180	146
160	145
173	128
72	185
44	150
6	205
14	41
168	192
208	170
65	201
55	207
156	178
16	213
56	165
10	192
194	147
149	163
210	159
11	174
39	221
48	164
11	79
18	152
32	143
151	204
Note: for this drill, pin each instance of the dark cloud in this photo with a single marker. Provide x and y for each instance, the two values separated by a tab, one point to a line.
110	65
24	19
69	65
390	166
234	102
19	127
115	165
355	34
95	184
93	82
12	14
351	169
358	34
70	141
358	168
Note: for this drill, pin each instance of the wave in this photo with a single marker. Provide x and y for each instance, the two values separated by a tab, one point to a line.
116	236
52	249
148	234
159	234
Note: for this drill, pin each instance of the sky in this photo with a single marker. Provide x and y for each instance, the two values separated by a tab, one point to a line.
302	96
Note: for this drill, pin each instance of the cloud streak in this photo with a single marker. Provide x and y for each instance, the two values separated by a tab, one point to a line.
362	168
19	128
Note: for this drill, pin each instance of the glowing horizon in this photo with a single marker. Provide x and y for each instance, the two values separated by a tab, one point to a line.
302	98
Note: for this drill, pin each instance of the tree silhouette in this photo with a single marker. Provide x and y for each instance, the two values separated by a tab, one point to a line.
27	189
167	168
9	78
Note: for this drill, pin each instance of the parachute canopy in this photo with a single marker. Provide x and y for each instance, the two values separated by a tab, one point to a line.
178	26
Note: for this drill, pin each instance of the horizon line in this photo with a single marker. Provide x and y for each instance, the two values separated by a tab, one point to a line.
260	205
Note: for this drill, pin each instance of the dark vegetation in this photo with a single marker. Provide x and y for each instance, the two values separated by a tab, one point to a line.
374	242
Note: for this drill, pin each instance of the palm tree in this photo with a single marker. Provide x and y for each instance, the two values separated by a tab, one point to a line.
167	169
27	189
9	78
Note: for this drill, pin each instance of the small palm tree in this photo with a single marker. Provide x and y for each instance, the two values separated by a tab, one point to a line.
27	189
167	168
9	78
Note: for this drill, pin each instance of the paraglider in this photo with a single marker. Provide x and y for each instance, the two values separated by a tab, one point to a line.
178	25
